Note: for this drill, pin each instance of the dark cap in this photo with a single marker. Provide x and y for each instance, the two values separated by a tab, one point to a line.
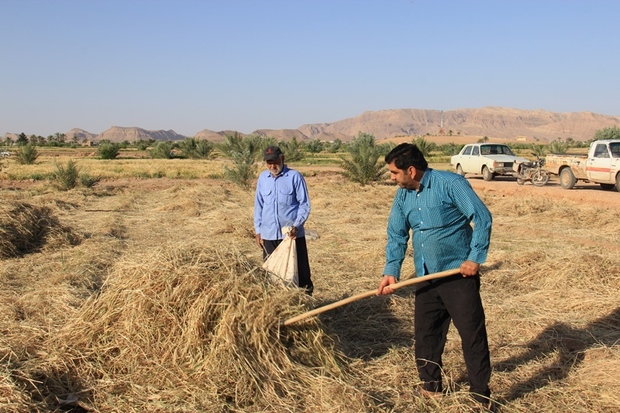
272	153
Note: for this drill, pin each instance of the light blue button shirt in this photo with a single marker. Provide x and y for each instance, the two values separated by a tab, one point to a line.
279	202
440	215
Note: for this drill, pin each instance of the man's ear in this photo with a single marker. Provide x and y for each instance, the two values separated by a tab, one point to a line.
411	171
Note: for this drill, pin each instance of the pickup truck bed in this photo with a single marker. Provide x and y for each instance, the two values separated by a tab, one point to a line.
601	165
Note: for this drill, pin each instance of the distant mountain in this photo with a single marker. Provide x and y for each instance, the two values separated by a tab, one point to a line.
121	134
79	135
493	122
214	136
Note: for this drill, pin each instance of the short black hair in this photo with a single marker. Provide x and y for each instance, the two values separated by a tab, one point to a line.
406	155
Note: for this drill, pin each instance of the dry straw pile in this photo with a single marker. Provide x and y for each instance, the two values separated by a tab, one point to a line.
26	228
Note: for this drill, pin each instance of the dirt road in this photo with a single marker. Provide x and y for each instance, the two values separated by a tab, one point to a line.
584	193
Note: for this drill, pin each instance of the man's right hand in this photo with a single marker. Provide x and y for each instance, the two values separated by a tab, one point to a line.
259	241
384	285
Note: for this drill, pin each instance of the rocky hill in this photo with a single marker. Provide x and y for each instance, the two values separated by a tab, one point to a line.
493	122
80	135
121	134
531	125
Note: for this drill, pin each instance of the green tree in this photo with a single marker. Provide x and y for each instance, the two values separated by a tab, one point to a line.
314	146
557	147
538	150
67	177
363	165
450	149
22	139
335	145
162	150
244	152
426	147
108	150
197	148
293	150
607	133
26	154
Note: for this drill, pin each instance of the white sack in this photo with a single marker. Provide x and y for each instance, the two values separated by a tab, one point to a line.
282	263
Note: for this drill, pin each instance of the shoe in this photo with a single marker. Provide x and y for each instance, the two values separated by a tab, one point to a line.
427	394
488	406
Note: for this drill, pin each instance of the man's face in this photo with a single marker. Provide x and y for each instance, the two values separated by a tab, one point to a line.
275	167
404	178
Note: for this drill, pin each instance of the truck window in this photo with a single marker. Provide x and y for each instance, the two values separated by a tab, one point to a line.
614	148
485	149
475	151
601	151
467	150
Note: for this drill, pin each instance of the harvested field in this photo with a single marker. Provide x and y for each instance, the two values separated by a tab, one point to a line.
149	298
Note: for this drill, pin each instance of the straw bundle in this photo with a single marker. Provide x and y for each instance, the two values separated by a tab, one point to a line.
25	228
201	326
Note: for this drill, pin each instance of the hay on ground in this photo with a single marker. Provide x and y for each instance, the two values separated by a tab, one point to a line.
197	325
26	228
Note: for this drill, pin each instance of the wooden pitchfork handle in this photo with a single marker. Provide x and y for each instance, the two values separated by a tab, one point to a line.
413	280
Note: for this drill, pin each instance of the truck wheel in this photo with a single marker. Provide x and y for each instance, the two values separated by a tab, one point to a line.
486	174
618	182
567	178
540	178
459	170
607	187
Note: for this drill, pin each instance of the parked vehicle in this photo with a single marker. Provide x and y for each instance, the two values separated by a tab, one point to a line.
601	165
488	159
5	154
532	171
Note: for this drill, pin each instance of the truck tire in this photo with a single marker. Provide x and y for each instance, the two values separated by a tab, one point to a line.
459	170
567	178
618	182
486	174
540	178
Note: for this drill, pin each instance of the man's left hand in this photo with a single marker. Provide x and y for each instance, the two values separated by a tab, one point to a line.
293	232
469	268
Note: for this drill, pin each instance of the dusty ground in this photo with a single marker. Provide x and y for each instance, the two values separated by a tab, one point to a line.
583	193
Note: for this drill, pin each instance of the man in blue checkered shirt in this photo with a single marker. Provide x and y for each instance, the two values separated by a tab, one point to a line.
451	228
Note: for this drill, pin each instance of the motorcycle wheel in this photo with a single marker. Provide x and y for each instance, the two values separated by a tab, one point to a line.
540	178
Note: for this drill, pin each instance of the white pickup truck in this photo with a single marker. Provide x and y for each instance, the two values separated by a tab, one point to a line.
488	159
601	165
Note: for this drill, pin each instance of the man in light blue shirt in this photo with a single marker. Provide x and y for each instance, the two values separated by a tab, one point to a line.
438	208
282	201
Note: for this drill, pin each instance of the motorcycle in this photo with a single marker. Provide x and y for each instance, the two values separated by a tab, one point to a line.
532	171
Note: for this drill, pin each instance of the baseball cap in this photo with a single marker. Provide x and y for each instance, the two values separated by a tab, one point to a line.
272	153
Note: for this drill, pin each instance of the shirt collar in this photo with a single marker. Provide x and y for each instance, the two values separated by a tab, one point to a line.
426	180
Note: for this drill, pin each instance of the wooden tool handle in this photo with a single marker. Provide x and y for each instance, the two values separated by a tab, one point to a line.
413	280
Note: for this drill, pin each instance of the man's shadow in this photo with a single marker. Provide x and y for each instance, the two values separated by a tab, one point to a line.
569	343
368	328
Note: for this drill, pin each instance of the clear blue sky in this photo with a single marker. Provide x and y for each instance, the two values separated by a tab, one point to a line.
189	65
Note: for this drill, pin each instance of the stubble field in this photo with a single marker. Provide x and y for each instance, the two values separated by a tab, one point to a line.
146	295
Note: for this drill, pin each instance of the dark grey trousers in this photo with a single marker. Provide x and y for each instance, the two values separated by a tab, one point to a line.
455	299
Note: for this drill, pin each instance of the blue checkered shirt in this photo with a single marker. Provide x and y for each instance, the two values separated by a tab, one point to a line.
440	215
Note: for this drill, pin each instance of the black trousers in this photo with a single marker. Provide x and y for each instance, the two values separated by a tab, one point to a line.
455	299
303	264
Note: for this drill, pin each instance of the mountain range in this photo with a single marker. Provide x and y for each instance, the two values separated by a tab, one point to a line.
492	122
